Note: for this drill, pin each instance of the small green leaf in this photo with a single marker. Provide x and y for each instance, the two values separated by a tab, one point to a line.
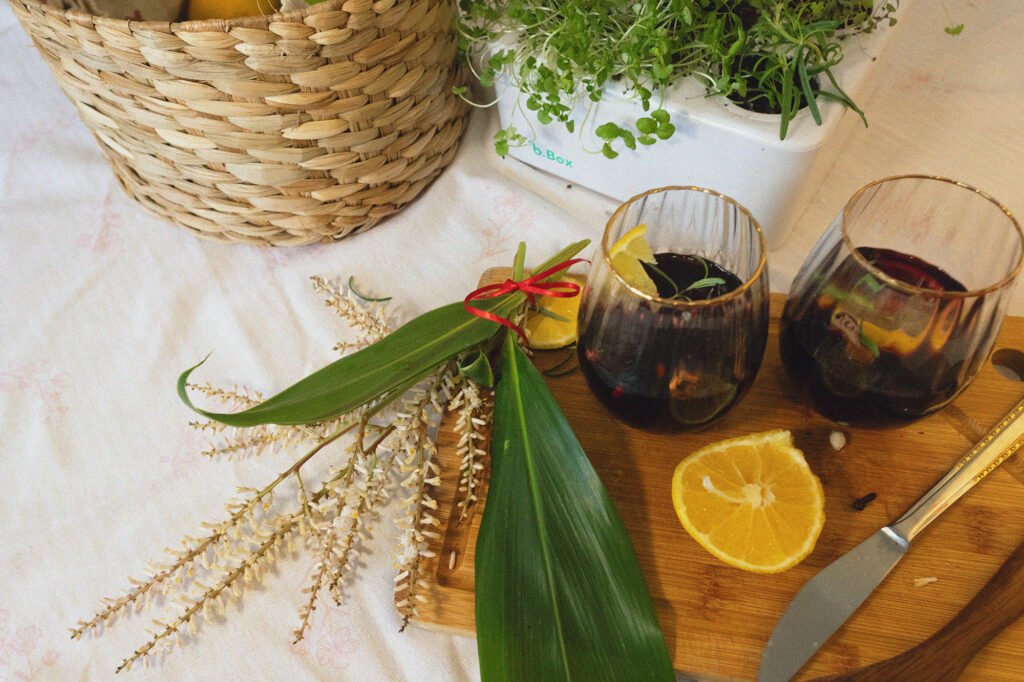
646	139
808	91
563	367
737	45
665	131
661	273
459	90
786	103
954	30
486	80
355	292
607	131
608	152
563	371
661	116
869	344
501	147
544	117
870	282
705	283
477	367
646	125
661	71
628	139
547	313
570	125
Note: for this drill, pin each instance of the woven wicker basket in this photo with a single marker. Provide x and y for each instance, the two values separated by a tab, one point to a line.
288	129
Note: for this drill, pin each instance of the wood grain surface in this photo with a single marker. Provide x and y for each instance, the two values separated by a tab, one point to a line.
944	655
715	618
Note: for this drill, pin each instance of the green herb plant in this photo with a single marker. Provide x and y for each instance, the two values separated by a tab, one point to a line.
953	30
704	282
559	593
769	54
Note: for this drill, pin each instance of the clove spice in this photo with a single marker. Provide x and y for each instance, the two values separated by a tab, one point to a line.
862	502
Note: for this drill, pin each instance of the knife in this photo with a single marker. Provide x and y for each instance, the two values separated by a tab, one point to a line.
945	654
830	597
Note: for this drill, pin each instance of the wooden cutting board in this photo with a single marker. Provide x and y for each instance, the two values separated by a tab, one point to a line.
715	618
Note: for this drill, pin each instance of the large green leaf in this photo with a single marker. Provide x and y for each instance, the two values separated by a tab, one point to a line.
406	354
388	365
559	592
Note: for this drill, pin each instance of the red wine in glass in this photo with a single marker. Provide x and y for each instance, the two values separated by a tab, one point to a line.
683	371
871	354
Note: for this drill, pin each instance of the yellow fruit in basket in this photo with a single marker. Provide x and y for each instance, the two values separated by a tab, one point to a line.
626	255
751	501
229	9
544	331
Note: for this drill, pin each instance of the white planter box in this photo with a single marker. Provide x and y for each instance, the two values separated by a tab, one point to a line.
717	144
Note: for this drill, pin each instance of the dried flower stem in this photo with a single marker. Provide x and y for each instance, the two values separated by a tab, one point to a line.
304	500
423	475
330	541
373	493
213	593
285	525
334	519
254	441
184	559
240	398
473	420
375	327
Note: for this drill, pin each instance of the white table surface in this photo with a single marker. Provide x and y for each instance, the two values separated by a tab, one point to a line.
103	305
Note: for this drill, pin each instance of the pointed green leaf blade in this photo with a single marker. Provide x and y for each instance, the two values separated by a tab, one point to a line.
407	353
477	366
559	592
395	361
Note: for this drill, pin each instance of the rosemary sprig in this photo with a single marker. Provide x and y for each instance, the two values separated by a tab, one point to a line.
565	366
705	282
548	313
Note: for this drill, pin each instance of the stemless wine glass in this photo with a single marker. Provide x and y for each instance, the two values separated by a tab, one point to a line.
900	301
666	362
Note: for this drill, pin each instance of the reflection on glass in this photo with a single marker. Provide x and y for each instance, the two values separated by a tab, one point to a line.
900	301
684	357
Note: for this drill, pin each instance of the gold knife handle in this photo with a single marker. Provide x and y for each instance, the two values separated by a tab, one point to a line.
998	444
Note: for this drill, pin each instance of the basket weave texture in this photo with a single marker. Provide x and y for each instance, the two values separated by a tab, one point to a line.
288	129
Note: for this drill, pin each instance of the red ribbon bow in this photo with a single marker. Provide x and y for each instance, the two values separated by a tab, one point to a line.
531	286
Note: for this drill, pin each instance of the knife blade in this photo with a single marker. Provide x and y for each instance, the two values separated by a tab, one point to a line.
828	599
818	609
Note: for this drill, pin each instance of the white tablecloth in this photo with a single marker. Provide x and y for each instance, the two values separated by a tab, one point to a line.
103	305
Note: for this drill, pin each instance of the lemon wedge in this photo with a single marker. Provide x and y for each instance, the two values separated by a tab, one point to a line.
546	331
626	256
